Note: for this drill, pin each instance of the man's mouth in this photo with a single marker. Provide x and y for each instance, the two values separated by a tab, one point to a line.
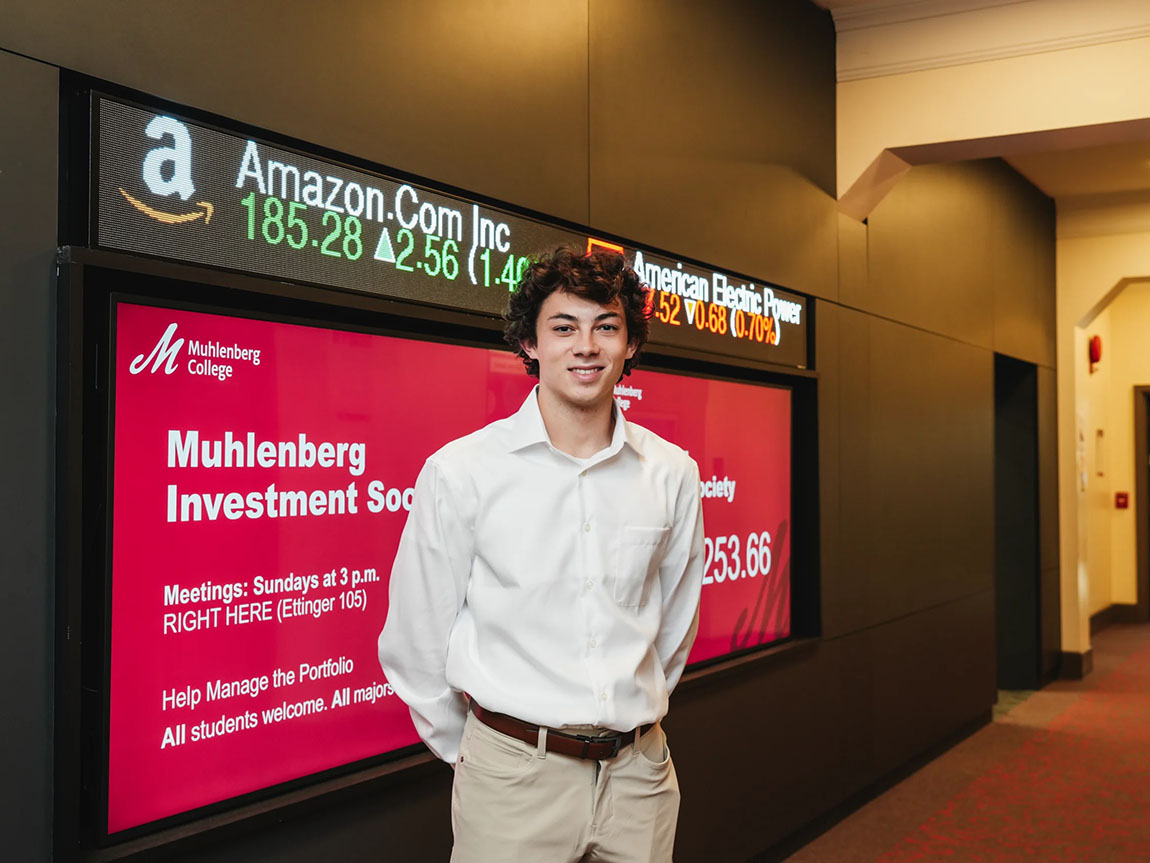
586	371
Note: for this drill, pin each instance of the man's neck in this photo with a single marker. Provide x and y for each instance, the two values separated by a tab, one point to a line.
579	432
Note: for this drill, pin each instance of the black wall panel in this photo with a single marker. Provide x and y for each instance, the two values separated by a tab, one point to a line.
773	762
930	506
847	588
929	253
704	119
854	265
933	673
801	738
828	324
916	494
908	684
1048	549
962	249
489	96
28	137
1022	269
406	822
1048	546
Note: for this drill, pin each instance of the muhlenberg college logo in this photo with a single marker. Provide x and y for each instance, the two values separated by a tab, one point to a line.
207	358
179	179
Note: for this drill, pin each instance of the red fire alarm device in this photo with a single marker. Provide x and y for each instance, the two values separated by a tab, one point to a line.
1121	500
1095	348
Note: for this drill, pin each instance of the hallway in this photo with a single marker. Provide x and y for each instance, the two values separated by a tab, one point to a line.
1063	776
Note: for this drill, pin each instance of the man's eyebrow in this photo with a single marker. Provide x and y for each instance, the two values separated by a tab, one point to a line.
564	316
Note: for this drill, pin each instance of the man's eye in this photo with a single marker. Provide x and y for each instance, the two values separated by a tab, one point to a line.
563	329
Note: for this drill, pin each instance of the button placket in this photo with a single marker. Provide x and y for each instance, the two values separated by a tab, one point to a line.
590	560
581	490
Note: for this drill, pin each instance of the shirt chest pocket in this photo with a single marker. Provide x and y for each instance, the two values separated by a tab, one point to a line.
640	553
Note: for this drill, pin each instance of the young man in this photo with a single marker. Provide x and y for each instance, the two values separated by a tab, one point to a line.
546	589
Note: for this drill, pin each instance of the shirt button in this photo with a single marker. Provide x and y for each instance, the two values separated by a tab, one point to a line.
602	696
594	643
590	584
587	528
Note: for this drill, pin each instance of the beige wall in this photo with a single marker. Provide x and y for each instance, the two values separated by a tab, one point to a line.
1098	257
1130	361
1107	538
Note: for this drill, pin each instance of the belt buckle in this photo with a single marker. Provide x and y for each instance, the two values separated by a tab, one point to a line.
616	741
618	744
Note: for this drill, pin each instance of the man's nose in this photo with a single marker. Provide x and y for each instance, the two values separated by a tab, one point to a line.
585	343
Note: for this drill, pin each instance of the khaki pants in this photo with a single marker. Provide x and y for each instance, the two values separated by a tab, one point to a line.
517	803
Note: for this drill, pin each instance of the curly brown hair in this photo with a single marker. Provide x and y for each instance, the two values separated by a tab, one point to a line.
599	276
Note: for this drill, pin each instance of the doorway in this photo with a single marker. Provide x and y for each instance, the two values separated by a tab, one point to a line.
1141	501
1016	550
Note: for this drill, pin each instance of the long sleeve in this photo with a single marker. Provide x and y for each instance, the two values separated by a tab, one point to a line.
427	590
681	581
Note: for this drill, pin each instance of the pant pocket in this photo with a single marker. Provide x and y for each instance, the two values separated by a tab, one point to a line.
491	752
653	750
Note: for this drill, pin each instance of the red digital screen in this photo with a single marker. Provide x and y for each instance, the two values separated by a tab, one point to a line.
262	476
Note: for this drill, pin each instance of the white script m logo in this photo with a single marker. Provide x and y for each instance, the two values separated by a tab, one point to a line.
165	350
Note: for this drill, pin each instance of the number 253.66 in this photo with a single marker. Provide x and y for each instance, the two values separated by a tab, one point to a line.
734	559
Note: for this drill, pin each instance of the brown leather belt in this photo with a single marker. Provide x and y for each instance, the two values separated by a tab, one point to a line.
575	745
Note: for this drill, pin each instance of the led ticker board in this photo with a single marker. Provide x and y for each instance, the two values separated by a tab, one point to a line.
260	482
173	188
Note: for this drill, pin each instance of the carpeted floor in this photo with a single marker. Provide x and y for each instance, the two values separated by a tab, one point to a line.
1062	776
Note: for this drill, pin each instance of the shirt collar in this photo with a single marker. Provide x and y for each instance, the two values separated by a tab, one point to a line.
527	428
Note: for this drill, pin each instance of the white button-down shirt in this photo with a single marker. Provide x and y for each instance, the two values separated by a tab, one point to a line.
561	591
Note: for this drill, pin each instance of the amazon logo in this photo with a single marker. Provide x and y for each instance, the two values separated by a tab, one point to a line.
167	172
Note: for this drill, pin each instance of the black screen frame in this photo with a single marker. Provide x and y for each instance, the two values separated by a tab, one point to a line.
91	284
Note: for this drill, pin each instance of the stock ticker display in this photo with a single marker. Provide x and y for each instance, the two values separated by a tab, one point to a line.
176	189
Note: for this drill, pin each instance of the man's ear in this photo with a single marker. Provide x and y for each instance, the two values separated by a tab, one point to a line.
631	348
529	349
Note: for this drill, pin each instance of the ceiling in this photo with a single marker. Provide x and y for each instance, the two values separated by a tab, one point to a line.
1110	169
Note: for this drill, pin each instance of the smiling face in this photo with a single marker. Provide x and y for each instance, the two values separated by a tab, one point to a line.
581	347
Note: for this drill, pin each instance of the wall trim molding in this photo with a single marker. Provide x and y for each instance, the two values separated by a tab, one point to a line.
1075	666
1119	612
899	11
998	52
